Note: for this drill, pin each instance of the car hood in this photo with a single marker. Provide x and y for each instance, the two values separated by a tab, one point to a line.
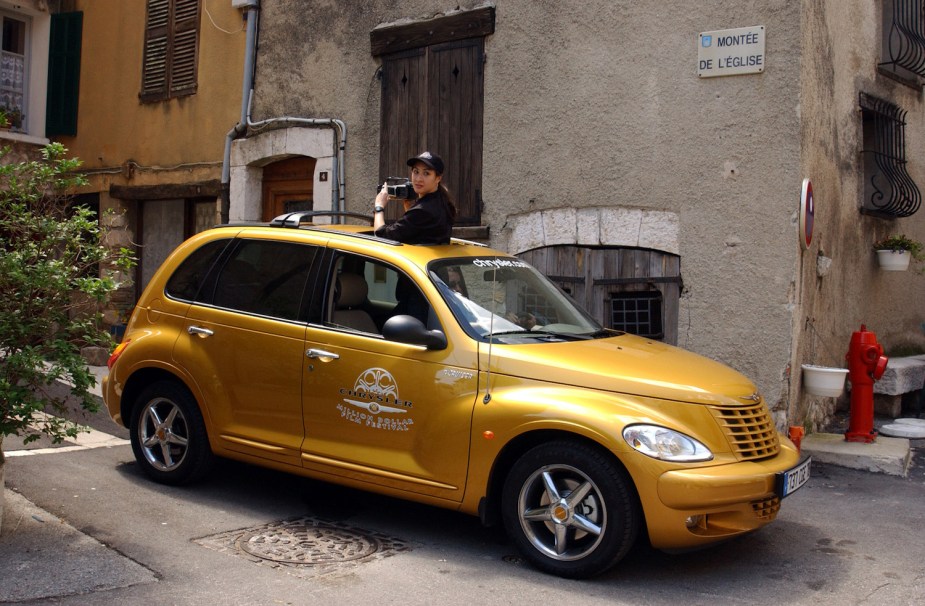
625	364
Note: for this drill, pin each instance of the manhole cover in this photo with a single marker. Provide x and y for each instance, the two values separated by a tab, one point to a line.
306	546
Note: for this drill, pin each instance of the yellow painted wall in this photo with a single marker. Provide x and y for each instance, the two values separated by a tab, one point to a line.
115	126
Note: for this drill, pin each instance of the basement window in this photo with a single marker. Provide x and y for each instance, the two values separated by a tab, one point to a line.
889	191
637	312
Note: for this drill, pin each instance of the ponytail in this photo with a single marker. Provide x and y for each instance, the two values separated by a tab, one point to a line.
449	200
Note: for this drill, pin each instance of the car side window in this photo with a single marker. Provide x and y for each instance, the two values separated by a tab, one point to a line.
364	293
265	278
187	281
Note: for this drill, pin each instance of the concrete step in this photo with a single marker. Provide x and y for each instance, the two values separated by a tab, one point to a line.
884	455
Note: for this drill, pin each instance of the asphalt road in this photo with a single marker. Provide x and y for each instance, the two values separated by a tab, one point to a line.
110	536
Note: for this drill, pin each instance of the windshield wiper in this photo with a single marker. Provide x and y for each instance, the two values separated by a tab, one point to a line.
540	334
505	333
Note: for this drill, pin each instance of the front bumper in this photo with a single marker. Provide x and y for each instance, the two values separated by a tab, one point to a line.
703	505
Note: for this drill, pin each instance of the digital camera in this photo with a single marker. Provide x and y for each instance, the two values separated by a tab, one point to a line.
399	188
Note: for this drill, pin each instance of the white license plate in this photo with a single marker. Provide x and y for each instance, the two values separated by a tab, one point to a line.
788	482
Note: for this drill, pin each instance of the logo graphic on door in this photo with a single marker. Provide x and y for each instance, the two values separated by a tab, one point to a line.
374	402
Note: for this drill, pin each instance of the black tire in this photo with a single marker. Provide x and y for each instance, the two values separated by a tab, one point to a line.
571	509
169	436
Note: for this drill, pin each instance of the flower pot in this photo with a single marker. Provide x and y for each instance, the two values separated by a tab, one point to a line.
894	260
824	380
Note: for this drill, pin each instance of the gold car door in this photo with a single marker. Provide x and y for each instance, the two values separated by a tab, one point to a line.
247	350
380	412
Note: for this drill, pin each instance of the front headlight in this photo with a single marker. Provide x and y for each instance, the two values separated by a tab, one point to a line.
665	444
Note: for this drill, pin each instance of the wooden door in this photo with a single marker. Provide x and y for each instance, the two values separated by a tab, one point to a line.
288	186
631	289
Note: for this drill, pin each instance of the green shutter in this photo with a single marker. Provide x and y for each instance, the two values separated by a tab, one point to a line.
63	74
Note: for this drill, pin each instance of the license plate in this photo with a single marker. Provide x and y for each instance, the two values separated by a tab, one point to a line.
788	482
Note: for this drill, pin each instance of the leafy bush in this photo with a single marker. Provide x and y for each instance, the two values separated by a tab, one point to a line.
51	254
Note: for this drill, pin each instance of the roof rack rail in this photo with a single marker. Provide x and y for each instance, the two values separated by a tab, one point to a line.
295	219
470	242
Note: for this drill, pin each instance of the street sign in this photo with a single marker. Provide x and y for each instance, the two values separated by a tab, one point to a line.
807	214
731	52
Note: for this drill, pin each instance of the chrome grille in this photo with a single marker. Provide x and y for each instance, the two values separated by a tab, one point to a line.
749	430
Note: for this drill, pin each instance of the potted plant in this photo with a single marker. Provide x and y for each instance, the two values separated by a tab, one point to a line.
11	117
895	252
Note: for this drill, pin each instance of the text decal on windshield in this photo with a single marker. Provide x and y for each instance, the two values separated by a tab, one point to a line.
499	263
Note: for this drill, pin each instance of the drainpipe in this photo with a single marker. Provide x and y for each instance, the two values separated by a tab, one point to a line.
250	53
338	202
340	127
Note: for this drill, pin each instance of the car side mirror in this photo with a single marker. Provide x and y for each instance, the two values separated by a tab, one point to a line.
408	329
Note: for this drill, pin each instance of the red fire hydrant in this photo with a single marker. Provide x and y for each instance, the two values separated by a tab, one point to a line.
866	364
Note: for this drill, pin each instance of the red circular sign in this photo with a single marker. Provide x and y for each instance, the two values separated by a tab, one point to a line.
807	212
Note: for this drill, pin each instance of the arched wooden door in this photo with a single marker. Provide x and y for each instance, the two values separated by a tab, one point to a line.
288	186
631	289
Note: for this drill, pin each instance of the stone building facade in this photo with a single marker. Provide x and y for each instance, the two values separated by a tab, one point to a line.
589	138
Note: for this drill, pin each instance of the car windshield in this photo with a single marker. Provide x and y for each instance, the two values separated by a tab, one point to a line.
508	300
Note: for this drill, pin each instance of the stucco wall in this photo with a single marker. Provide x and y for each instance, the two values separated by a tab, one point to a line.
842	50
114	126
596	106
599	104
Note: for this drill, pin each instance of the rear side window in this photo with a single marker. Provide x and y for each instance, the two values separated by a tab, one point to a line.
187	281
265	278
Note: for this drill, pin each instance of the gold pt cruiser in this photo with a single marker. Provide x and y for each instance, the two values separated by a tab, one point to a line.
454	375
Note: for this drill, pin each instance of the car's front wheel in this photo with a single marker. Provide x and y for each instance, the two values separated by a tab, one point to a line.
168	434
570	508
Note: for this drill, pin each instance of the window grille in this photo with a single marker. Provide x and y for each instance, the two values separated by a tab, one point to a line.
638	313
904	32
889	191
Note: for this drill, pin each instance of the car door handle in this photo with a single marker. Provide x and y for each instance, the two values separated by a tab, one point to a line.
200	332
320	354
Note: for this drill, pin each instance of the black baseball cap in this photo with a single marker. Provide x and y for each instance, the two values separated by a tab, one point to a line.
432	160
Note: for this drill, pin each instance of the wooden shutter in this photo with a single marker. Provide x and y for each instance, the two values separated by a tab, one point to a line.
63	74
454	121
432	100
185	47
401	134
171	49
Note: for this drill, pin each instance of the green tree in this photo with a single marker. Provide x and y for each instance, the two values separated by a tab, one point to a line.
51	287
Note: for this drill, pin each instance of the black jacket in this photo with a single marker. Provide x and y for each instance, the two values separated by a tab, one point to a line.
427	222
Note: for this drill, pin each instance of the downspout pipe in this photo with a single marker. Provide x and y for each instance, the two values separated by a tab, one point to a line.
250	55
338	201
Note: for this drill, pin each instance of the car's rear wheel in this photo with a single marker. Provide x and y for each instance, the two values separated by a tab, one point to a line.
570	508
168	434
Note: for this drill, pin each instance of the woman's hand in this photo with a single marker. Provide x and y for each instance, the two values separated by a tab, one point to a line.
382	198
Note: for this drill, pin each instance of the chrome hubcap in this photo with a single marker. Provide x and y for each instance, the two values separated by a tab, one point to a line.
163	434
561	512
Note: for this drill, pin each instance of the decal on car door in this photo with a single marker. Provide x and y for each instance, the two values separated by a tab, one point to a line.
374	402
